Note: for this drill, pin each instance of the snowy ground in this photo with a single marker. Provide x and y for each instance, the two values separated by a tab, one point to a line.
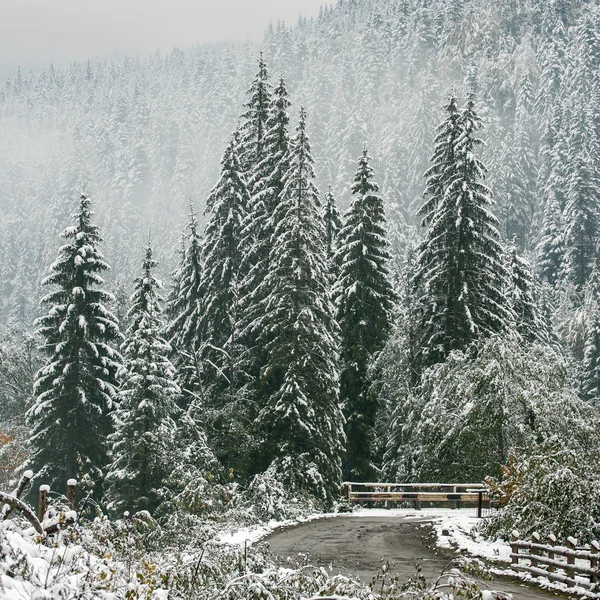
454	529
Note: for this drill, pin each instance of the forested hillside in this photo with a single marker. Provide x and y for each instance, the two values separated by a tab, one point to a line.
145	136
364	249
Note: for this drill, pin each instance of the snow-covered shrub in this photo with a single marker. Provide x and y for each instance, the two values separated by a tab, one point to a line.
59	568
476	406
559	492
272	495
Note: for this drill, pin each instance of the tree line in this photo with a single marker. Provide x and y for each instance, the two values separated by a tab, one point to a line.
288	345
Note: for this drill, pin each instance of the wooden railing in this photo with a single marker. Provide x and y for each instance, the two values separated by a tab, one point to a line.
42	525
563	563
454	493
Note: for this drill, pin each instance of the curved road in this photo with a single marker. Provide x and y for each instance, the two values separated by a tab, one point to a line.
359	545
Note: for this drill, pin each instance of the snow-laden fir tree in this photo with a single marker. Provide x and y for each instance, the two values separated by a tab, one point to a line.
460	278
582	208
76	390
590	369
333	224
551	247
222	258
365	301
301	425
442	160
184	310
266	181
254	127
520	293
142	443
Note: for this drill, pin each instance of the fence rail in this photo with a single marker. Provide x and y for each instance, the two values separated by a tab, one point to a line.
453	493
570	564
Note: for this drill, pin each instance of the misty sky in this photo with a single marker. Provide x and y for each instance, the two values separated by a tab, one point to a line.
34	33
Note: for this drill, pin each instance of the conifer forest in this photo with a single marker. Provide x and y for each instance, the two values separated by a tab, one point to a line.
234	276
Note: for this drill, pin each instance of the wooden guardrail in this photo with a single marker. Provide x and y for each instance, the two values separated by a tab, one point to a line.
454	493
43	526
557	562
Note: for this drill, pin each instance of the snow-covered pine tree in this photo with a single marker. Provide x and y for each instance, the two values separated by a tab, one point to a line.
442	161
184	305
333	224
365	302
76	389
590	369
460	278
266	181
254	126
142	443
551	245
520	293
301	424
582	208
222	258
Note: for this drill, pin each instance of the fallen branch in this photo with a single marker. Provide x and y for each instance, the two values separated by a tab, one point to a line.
15	503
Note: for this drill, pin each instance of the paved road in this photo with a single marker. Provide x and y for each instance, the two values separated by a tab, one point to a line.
359	545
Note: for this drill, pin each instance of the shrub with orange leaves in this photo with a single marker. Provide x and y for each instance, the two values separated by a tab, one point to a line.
511	479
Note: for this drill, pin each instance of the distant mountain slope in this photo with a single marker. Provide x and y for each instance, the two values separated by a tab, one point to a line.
146	135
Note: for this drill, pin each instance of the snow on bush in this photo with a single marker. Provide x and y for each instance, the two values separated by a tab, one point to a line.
558	492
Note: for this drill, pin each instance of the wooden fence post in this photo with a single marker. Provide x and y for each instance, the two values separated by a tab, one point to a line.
535	539
43	502
571	545
594	550
479	504
551	555
71	485
514	538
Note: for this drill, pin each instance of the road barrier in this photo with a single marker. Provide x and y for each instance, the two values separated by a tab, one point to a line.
453	493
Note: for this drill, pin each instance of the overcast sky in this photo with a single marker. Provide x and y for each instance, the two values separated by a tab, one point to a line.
34	33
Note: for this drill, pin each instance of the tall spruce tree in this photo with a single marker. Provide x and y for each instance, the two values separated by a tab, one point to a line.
460	278
184	310
590	372
551	246
142	443
254	127
301	425
443	158
266	181
76	389
222	258
520	293
333	224
365	302
582	208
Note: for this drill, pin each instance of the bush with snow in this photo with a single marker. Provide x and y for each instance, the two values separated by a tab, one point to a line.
558	491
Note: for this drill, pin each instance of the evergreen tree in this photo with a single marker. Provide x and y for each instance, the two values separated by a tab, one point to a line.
582	208
76	390
301	425
142	442
442	161
521	296
550	247
333	224
582	218
590	379
222	258
460	277
184	309
365	301
254	128
258	229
